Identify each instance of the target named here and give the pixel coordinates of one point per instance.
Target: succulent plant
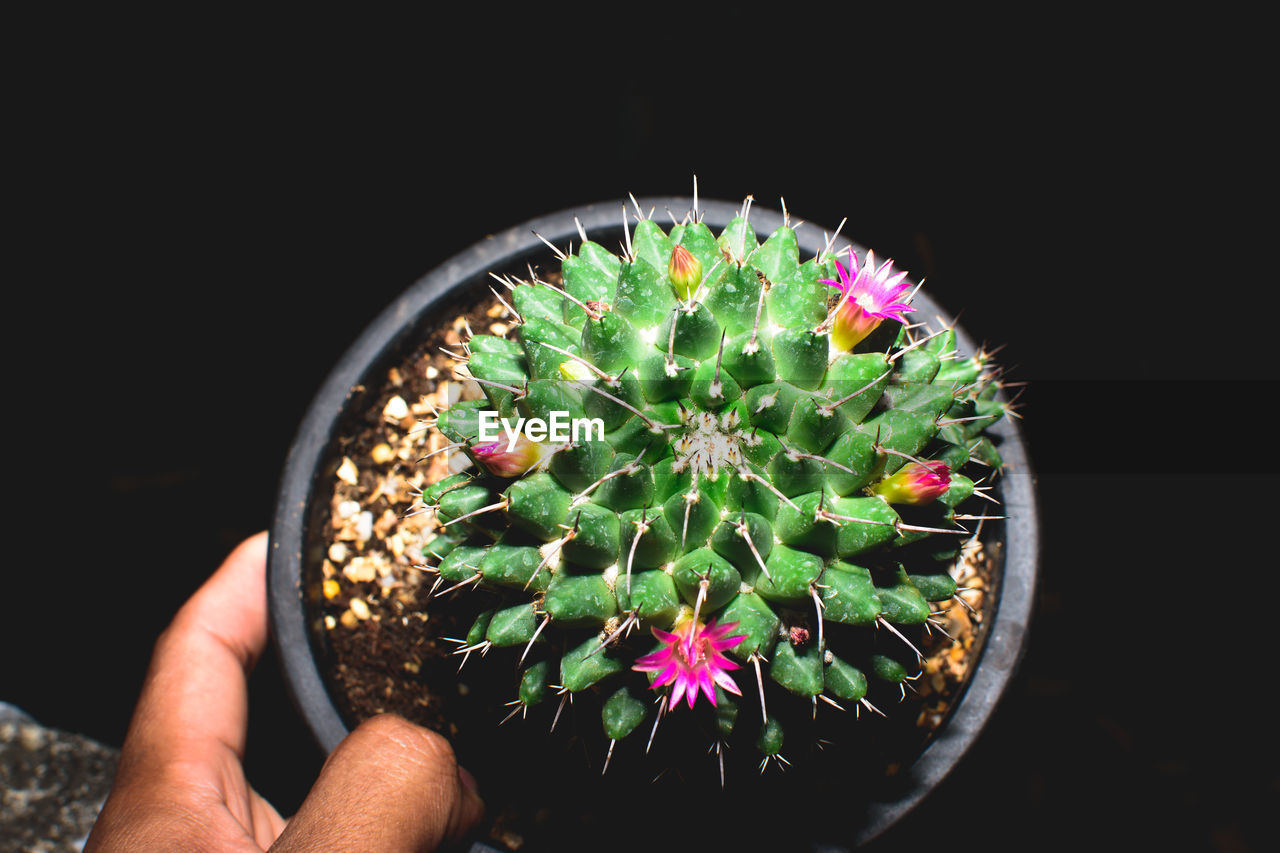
(701, 469)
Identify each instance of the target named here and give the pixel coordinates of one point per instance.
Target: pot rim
(393, 330)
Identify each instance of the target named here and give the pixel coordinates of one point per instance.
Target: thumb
(389, 786)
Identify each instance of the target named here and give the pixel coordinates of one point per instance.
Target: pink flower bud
(915, 484)
(510, 463)
(685, 272)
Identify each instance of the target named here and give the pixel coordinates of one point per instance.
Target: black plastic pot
(302, 509)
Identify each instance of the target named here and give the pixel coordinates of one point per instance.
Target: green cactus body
(741, 464)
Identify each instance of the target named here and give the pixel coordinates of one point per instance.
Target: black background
(215, 218)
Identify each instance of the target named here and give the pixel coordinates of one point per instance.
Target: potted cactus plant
(701, 493)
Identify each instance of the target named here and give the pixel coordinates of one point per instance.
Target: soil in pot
(393, 635)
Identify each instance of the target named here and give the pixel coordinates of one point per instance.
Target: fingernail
(468, 781)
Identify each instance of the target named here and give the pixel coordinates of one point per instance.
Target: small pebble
(396, 409)
(346, 509)
(338, 550)
(360, 570)
(364, 525)
(347, 471)
(331, 588)
(360, 609)
(382, 453)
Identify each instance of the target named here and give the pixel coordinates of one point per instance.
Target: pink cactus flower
(692, 659)
(514, 462)
(869, 296)
(915, 484)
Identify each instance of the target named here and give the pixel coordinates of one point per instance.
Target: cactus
(701, 466)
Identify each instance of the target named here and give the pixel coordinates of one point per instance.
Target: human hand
(389, 786)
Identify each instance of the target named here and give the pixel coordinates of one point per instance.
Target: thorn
(795, 455)
(444, 449)
(629, 468)
(945, 422)
(560, 256)
(626, 233)
(690, 498)
(671, 342)
(502, 504)
(473, 579)
(502, 280)
(703, 585)
(626, 625)
(654, 426)
(913, 345)
(755, 660)
(532, 640)
(551, 553)
(831, 242)
(747, 474)
(882, 449)
(901, 526)
(823, 515)
(518, 392)
(612, 743)
(818, 607)
(593, 314)
(642, 527)
(831, 407)
(753, 345)
(938, 626)
(609, 380)
(745, 532)
(563, 699)
(982, 493)
(882, 621)
(694, 298)
(453, 355)
(513, 312)
(662, 709)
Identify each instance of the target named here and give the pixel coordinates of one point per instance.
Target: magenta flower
(868, 297)
(514, 462)
(915, 484)
(692, 659)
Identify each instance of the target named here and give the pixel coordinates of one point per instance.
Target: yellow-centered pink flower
(691, 659)
(685, 272)
(868, 297)
(915, 483)
(513, 462)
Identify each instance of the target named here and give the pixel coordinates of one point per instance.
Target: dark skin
(389, 786)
